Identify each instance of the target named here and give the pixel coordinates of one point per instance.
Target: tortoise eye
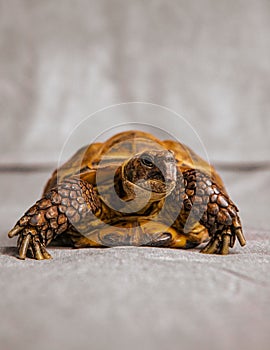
(147, 161)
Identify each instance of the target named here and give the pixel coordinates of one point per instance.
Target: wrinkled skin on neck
(147, 172)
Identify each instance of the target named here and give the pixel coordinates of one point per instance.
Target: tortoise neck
(122, 189)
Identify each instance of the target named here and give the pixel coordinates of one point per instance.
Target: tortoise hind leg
(84, 241)
(173, 239)
(190, 239)
(162, 236)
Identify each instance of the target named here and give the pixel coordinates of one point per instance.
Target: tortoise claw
(15, 231)
(238, 231)
(218, 244)
(224, 239)
(37, 250)
(45, 254)
(212, 246)
(29, 242)
(23, 245)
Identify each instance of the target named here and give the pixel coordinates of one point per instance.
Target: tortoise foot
(68, 204)
(29, 241)
(224, 238)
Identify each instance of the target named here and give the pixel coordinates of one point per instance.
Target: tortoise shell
(133, 189)
(107, 156)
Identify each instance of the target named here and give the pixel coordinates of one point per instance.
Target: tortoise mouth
(157, 186)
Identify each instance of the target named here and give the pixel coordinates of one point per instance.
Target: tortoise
(134, 189)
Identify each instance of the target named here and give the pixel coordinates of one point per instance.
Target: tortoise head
(149, 171)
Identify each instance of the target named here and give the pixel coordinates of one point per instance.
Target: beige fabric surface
(137, 298)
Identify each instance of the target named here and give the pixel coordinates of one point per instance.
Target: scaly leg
(58, 211)
(205, 203)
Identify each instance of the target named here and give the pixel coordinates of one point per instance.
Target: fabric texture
(137, 298)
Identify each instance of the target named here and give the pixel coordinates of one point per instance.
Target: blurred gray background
(63, 60)
(207, 60)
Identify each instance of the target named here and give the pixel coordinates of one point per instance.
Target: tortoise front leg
(216, 212)
(58, 211)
